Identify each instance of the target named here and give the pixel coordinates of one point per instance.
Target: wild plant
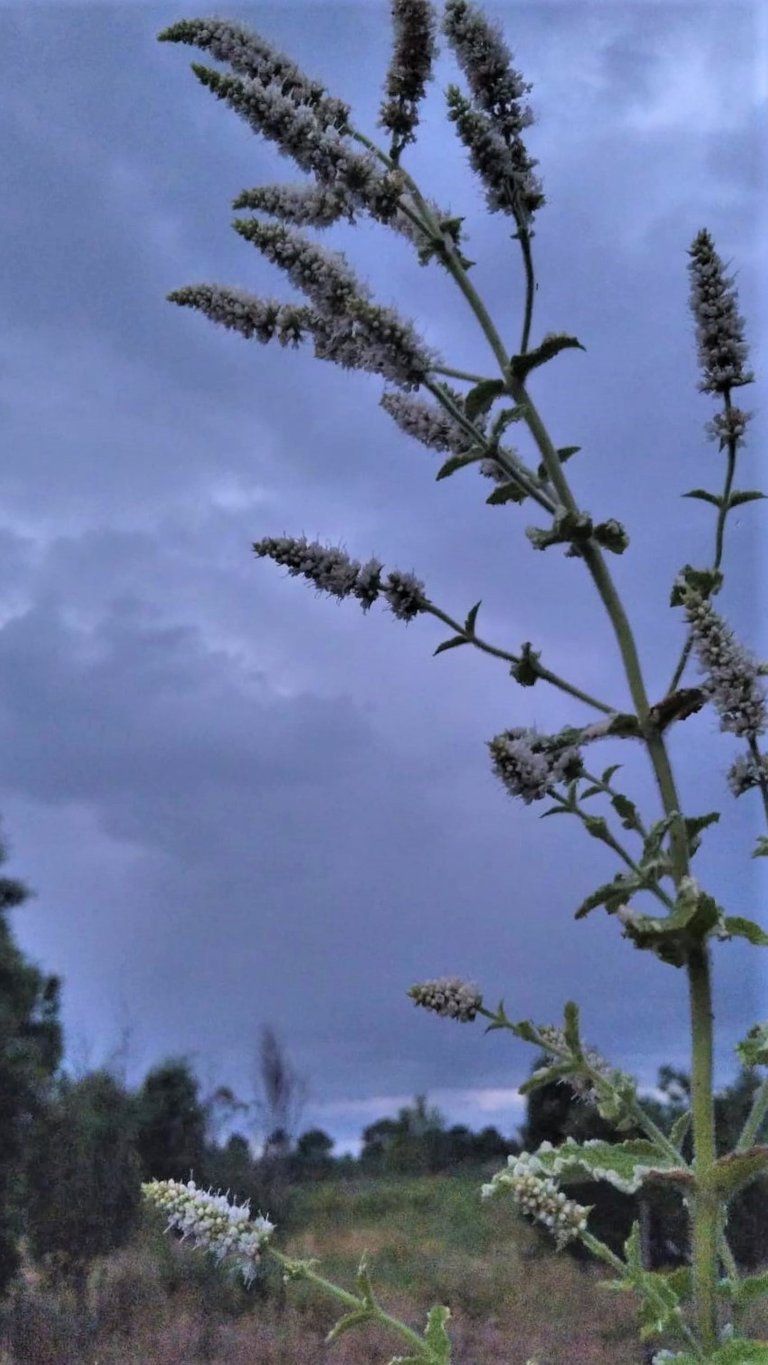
(695, 1310)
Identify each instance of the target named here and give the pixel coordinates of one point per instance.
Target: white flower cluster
(747, 772)
(539, 1197)
(491, 131)
(719, 327)
(583, 1085)
(529, 764)
(733, 684)
(246, 313)
(428, 422)
(333, 571)
(212, 1222)
(449, 996)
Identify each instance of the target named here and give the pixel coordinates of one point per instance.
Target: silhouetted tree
(282, 1096)
(171, 1123)
(312, 1159)
(30, 1052)
(84, 1175)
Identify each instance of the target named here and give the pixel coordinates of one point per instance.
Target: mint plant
(694, 1310)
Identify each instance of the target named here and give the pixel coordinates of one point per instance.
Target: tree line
(74, 1150)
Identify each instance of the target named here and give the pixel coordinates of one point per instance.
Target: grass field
(429, 1240)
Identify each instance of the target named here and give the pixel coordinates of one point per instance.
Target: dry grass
(428, 1240)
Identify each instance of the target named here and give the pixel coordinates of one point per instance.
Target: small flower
(429, 422)
(747, 772)
(333, 571)
(314, 205)
(410, 69)
(733, 683)
(539, 1197)
(247, 313)
(529, 764)
(212, 1222)
(584, 1085)
(324, 275)
(448, 996)
(728, 427)
(719, 327)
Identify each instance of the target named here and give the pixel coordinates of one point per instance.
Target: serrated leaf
(733, 1172)
(739, 927)
(553, 343)
(611, 894)
(597, 827)
(625, 1165)
(506, 492)
(544, 1075)
(504, 418)
(695, 824)
(469, 624)
(435, 1334)
(612, 536)
(703, 495)
(482, 396)
(736, 499)
(761, 847)
(459, 462)
(627, 810)
(744, 1291)
(453, 643)
(659, 1299)
(753, 1050)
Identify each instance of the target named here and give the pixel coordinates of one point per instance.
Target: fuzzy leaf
(506, 492)
(553, 342)
(744, 1291)
(733, 1172)
(694, 917)
(363, 1281)
(753, 1050)
(695, 824)
(453, 643)
(659, 1301)
(469, 624)
(677, 706)
(354, 1319)
(612, 536)
(761, 847)
(739, 927)
(571, 1030)
(608, 774)
(597, 827)
(736, 499)
(482, 396)
(543, 1075)
(503, 420)
(611, 894)
(459, 462)
(625, 1165)
(679, 1129)
(703, 495)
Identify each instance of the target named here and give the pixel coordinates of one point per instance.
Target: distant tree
(83, 1174)
(312, 1158)
(377, 1141)
(171, 1123)
(30, 1052)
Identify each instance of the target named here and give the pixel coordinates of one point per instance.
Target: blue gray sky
(239, 802)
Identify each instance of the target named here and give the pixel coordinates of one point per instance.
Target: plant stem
(755, 1118)
(544, 673)
(706, 1205)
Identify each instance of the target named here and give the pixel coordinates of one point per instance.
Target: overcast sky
(239, 802)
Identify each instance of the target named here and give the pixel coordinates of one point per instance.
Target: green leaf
(624, 725)
(363, 1281)
(469, 624)
(482, 396)
(694, 917)
(612, 536)
(611, 894)
(553, 343)
(745, 1291)
(706, 581)
(567, 526)
(571, 1029)
(703, 495)
(625, 1165)
(503, 420)
(677, 706)
(679, 1129)
(354, 1319)
(736, 499)
(459, 462)
(608, 774)
(525, 671)
(506, 492)
(746, 928)
(544, 1075)
(597, 827)
(627, 810)
(753, 1050)
(564, 453)
(761, 847)
(453, 643)
(435, 1334)
(659, 1295)
(733, 1172)
(695, 824)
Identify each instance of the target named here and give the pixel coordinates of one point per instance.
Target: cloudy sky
(240, 802)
